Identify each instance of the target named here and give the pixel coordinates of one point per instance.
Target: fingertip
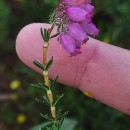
(100, 66)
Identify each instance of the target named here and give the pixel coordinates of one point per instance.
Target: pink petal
(67, 42)
(77, 32)
(76, 13)
(90, 28)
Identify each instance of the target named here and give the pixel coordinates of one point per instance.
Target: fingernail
(89, 94)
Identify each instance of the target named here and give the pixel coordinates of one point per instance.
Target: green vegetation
(18, 110)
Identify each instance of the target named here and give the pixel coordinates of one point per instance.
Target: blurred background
(18, 109)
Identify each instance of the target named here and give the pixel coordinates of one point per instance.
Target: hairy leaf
(54, 81)
(40, 86)
(49, 63)
(36, 63)
(57, 99)
(46, 116)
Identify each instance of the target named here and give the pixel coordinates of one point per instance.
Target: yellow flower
(21, 118)
(15, 84)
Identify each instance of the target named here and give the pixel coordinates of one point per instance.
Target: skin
(102, 69)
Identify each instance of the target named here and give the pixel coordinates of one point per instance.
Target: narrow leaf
(46, 35)
(60, 122)
(58, 29)
(55, 35)
(49, 63)
(62, 115)
(54, 81)
(42, 34)
(40, 86)
(36, 63)
(47, 117)
(57, 99)
(47, 126)
(45, 98)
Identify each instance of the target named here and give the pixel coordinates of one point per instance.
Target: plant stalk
(47, 83)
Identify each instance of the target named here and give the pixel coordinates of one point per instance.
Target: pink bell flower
(88, 7)
(69, 44)
(74, 19)
(77, 32)
(90, 29)
(77, 14)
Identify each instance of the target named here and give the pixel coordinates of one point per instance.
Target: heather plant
(111, 16)
(73, 20)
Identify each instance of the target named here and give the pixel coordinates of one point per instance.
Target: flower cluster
(74, 20)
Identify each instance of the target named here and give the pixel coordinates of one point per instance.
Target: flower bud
(76, 13)
(67, 42)
(88, 7)
(77, 32)
(90, 29)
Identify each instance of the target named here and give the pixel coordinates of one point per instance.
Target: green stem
(47, 83)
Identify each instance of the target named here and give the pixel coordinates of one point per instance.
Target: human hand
(102, 69)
